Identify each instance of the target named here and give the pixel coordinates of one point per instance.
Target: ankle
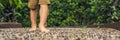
(33, 26)
(42, 26)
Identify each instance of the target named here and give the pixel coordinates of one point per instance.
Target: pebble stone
(60, 34)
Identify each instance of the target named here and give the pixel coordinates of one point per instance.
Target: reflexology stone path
(60, 34)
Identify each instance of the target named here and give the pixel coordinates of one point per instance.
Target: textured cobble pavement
(60, 34)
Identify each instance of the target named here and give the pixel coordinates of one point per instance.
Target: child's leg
(43, 17)
(33, 16)
(43, 14)
(32, 4)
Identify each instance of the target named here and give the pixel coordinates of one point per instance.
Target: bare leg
(43, 17)
(33, 16)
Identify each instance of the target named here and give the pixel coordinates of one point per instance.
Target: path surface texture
(60, 34)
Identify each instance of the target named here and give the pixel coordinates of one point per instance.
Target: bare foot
(43, 29)
(32, 29)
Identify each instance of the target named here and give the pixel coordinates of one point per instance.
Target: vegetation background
(64, 12)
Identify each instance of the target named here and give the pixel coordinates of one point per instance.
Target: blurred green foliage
(7, 9)
(70, 12)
